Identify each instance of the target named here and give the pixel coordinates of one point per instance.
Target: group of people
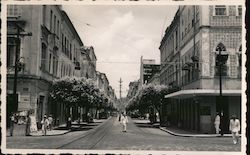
(31, 124)
(234, 126)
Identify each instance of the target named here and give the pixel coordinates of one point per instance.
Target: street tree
(149, 97)
(76, 92)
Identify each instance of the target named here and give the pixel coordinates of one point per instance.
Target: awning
(202, 92)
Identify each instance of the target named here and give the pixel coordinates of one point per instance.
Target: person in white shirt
(217, 123)
(124, 121)
(45, 123)
(234, 127)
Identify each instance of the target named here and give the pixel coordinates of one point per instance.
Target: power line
(126, 62)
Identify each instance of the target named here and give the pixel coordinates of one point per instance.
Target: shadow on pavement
(144, 125)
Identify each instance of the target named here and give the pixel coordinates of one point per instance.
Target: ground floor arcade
(196, 110)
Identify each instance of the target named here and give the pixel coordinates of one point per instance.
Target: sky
(120, 35)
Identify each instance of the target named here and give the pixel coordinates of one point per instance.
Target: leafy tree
(150, 96)
(77, 92)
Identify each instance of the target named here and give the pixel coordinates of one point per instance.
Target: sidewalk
(183, 133)
(179, 132)
(19, 130)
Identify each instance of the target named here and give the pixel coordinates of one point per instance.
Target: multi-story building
(51, 52)
(200, 41)
(88, 63)
(147, 70)
(133, 89)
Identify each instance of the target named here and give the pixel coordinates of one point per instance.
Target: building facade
(51, 52)
(133, 89)
(88, 63)
(147, 69)
(201, 46)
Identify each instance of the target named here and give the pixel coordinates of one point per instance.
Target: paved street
(139, 136)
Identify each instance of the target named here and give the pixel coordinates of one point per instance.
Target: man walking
(45, 123)
(234, 127)
(124, 121)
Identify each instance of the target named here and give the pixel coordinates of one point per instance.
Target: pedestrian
(33, 123)
(119, 117)
(222, 123)
(69, 123)
(234, 127)
(217, 123)
(45, 123)
(50, 118)
(147, 116)
(28, 122)
(124, 121)
(12, 123)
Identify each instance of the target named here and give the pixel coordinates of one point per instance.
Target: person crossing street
(234, 127)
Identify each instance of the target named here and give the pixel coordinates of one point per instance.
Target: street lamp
(221, 60)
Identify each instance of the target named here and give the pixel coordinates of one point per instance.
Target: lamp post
(222, 58)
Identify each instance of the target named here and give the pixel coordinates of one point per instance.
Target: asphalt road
(109, 136)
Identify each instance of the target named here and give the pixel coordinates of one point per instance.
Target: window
(44, 14)
(176, 39)
(50, 58)
(65, 44)
(70, 52)
(54, 24)
(221, 60)
(220, 10)
(10, 56)
(58, 29)
(239, 10)
(13, 11)
(51, 20)
(54, 65)
(43, 58)
(239, 61)
(11, 49)
(62, 42)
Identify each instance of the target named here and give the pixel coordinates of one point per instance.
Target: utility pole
(120, 81)
(17, 40)
(222, 60)
(19, 32)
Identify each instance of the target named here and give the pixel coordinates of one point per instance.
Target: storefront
(196, 109)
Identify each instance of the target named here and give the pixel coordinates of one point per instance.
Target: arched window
(221, 60)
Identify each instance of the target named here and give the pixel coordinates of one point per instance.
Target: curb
(192, 135)
(55, 134)
(51, 135)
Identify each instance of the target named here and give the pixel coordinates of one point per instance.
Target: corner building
(191, 62)
(53, 51)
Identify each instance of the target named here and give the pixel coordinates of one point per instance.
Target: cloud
(122, 34)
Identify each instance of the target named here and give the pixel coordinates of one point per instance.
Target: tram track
(92, 137)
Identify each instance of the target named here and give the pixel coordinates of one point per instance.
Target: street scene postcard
(123, 77)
